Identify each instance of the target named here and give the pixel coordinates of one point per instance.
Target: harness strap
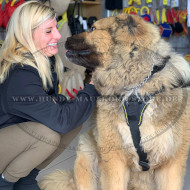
(134, 113)
(134, 108)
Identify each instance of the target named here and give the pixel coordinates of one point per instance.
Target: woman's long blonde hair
(19, 47)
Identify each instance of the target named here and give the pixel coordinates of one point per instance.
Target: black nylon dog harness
(134, 114)
(134, 109)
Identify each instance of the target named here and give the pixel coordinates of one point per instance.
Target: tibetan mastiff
(140, 134)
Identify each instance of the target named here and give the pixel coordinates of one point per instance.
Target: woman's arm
(27, 99)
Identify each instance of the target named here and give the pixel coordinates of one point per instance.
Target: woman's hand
(91, 83)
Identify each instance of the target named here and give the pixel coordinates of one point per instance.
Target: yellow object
(187, 58)
(138, 2)
(125, 10)
(158, 16)
(182, 16)
(62, 21)
(59, 89)
(126, 114)
(148, 1)
(142, 113)
(165, 2)
(114, 12)
(13, 2)
(147, 9)
(164, 19)
(130, 2)
(132, 8)
(1, 2)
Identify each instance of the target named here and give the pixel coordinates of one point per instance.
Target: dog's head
(122, 51)
(108, 38)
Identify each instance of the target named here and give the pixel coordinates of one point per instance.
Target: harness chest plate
(134, 111)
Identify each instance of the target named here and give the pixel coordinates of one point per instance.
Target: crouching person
(36, 123)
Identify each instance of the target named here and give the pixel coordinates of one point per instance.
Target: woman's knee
(38, 143)
(41, 133)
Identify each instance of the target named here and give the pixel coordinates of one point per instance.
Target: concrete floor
(66, 161)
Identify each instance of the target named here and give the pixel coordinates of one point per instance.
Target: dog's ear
(130, 22)
(127, 21)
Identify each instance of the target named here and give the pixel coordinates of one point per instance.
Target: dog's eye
(93, 28)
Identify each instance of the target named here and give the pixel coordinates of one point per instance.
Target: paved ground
(66, 161)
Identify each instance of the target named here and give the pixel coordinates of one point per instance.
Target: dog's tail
(58, 180)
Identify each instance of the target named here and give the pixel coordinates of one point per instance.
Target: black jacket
(22, 99)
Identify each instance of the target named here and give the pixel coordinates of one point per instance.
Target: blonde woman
(33, 117)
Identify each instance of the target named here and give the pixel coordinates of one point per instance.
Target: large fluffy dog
(142, 120)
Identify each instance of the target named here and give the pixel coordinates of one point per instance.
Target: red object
(75, 90)
(174, 15)
(5, 15)
(146, 17)
(69, 93)
(8, 11)
(133, 13)
(12, 8)
(169, 17)
(1, 13)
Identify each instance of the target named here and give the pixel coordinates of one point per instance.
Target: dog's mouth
(85, 58)
(80, 53)
(70, 53)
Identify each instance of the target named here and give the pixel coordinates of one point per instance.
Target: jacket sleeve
(27, 99)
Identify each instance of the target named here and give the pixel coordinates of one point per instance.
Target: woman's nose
(57, 34)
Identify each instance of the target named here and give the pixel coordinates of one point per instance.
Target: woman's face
(46, 36)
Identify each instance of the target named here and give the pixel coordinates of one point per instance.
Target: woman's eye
(49, 31)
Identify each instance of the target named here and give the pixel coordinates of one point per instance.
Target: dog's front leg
(85, 177)
(114, 173)
(170, 176)
(86, 165)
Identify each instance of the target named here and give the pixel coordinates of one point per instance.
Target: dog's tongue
(66, 50)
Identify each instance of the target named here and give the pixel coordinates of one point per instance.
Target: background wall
(180, 44)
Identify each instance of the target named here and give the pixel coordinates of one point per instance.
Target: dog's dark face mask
(81, 53)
